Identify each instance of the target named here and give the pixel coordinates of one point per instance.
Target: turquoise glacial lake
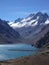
(12, 51)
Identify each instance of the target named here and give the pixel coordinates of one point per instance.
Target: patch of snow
(26, 19)
(24, 23)
(35, 23)
(10, 23)
(37, 17)
(47, 21)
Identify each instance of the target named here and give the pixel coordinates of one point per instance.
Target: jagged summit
(30, 15)
(32, 20)
(39, 13)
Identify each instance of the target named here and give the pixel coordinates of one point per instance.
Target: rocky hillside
(8, 34)
(44, 41)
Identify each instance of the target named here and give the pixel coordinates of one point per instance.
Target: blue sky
(13, 9)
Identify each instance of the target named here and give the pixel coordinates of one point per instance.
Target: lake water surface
(12, 51)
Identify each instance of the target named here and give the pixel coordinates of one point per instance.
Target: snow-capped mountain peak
(31, 26)
(31, 20)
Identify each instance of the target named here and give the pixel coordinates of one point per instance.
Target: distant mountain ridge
(31, 20)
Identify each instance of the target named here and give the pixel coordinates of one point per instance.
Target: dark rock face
(43, 40)
(18, 20)
(7, 34)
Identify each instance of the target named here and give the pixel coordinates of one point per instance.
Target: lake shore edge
(38, 59)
